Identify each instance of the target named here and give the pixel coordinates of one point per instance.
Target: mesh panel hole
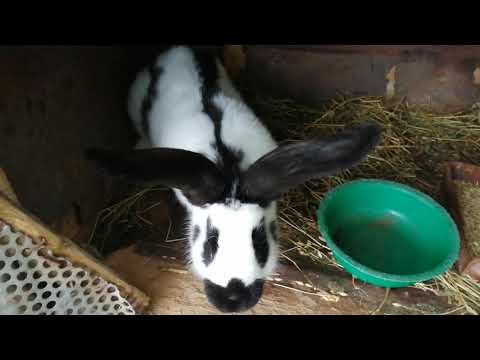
(67, 274)
(37, 306)
(5, 277)
(10, 252)
(114, 298)
(102, 298)
(96, 281)
(51, 304)
(26, 252)
(52, 274)
(90, 300)
(77, 302)
(16, 264)
(116, 306)
(60, 294)
(32, 297)
(37, 275)
(4, 240)
(111, 290)
(2, 264)
(87, 292)
(22, 309)
(46, 295)
(43, 313)
(56, 284)
(11, 289)
(27, 287)
(43, 252)
(74, 293)
(17, 299)
(46, 264)
(93, 309)
(105, 307)
(69, 311)
(84, 283)
(32, 263)
(81, 310)
(81, 274)
(22, 276)
(71, 283)
(63, 264)
(20, 240)
(42, 285)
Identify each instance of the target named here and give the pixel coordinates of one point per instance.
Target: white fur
(177, 121)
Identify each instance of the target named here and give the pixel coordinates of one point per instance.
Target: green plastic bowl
(388, 234)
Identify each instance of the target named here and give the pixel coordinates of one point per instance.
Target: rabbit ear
(196, 176)
(294, 164)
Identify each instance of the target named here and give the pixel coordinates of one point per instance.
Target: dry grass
(123, 216)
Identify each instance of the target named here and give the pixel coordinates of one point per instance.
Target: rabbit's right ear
(291, 165)
(196, 176)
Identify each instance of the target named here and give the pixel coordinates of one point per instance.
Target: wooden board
(174, 290)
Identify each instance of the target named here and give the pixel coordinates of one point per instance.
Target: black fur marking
(196, 233)
(260, 243)
(236, 297)
(228, 160)
(273, 230)
(211, 244)
(155, 73)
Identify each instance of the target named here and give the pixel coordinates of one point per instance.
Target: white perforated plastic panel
(34, 281)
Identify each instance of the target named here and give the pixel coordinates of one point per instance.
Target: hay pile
(415, 147)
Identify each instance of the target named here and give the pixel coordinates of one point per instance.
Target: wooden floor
(175, 291)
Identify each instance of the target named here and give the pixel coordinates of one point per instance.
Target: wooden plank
(174, 290)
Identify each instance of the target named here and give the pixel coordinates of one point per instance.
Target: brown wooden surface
(6, 188)
(440, 78)
(174, 290)
(469, 173)
(54, 102)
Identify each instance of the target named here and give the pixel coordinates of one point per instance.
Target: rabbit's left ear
(291, 165)
(196, 176)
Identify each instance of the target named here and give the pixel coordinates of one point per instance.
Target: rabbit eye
(211, 245)
(273, 230)
(260, 244)
(196, 233)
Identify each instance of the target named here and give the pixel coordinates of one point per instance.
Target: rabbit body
(200, 138)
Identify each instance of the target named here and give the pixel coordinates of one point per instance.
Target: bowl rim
(443, 266)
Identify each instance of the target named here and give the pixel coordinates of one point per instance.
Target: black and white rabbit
(200, 139)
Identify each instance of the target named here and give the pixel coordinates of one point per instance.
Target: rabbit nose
(235, 297)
